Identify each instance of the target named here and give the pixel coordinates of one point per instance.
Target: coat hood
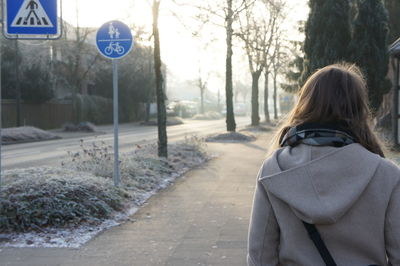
(320, 184)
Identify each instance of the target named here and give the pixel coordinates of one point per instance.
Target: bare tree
(266, 96)
(79, 60)
(150, 93)
(254, 38)
(223, 13)
(230, 116)
(161, 109)
(241, 89)
(280, 64)
(250, 33)
(142, 35)
(276, 16)
(276, 64)
(202, 85)
(257, 30)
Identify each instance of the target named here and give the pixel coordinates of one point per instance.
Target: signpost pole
(1, 121)
(114, 40)
(116, 122)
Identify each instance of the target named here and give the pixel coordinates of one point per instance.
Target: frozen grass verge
(171, 121)
(231, 137)
(67, 206)
(37, 198)
(25, 134)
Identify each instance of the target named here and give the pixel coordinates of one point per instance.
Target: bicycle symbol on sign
(114, 47)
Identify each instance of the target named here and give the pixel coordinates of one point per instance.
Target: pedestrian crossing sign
(31, 19)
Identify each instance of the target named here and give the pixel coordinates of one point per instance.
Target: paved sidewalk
(201, 220)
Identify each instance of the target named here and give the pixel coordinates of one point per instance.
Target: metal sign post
(117, 178)
(1, 123)
(114, 40)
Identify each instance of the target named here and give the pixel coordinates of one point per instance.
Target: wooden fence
(45, 116)
(55, 114)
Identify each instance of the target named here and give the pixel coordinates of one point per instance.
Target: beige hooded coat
(351, 194)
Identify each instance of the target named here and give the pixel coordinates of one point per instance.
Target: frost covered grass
(231, 137)
(49, 205)
(25, 134)
(171, 121)
(36, 198)
(141, 169)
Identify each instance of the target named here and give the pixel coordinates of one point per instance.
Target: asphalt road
(54, 151)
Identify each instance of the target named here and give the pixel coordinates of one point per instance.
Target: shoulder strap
(319, 243)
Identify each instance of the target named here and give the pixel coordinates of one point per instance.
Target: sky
(184, 55)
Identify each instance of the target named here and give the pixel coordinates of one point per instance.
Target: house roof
(394, 49)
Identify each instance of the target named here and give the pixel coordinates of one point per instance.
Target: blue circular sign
(114, 39)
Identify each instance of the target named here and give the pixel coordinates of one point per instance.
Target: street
(54, 151)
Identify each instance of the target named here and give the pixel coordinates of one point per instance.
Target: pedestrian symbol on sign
(31, 14)
(32, 19)
(113, 30)
(32, 5)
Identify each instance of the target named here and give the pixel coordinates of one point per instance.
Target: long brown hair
(335, 93)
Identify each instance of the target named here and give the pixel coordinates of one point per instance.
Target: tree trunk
(219, 101)
(149, 92)
(202, 100)
(275, 98)
(230, 117)
(395, 104)
(161, 111)
(255, 116)
(77, 109)
(17, 84)
(51, 67)
(236, 95)
(266, 96)
(147, 115)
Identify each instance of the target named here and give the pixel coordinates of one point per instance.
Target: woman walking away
(326, 195)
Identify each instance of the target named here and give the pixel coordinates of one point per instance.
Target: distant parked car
(183, 109)
(170, 110)
(240, 109)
